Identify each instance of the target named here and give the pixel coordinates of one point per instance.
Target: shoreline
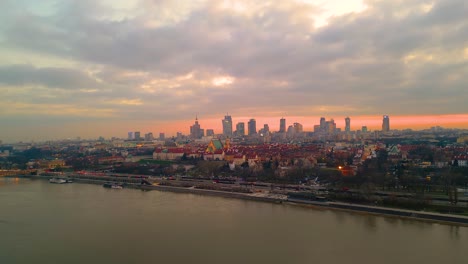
(448, 219)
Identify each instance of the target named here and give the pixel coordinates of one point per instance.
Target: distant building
(252, 127)
(149, 137)
(385, 123)
(282, 125)
(130, 135)
(364, 129)
(317, 128)
(330, 126)
(195, 131)
(227, 126)
(298, 128)
(162, 136)
(347, 124)
(240, 129)
(210, 133)
(137, 135)
(323, 124)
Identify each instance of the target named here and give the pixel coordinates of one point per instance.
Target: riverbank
(354, 208)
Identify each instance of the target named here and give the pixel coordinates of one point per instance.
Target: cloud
(62, 78)
(160, 59)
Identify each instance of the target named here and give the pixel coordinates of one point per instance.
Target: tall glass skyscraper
(252, 127)
(385, 123)
(282, 125)
(227, 125)
(348, 124)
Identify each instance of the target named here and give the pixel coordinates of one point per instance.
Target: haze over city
(102, 68)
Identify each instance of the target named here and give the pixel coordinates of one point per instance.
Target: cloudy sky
(86, 68)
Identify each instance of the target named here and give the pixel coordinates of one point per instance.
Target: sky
(89, 68)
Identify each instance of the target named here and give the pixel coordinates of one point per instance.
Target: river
(83, 223)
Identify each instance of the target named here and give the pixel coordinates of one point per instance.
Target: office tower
(130, 135)
(266, 128)
(323, 124)
(330, 126)
(162, 136)
(149, 136)
(298, 128)
(282, 125)
(137, 135)
(195, 131)
(385, 123)
(348, 124)
(240, 129)
(364, 129)
(252, 127)
(210, 133)
(317, 128)
(179, 135)
(227, 126)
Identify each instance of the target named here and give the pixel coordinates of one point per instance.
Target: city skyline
(373, 123)
(103, 68)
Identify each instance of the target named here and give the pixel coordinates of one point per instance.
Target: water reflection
(9, 181)
(370, 222)
(455, 232)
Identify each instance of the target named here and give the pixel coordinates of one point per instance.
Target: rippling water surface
(82, 223)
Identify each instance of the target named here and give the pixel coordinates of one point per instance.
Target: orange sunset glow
(104, 68)
(372, 122)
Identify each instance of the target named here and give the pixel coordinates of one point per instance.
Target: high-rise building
(348, 124)
(162, 136)
(364, 129)
(282, 125)
(252, 127)
(330, 126)
(195, 131)
(298, 128)
(323, 124)
(137, 135)
(385, 123)
(227, 126)
(149, 136)
(240, 129)
(130, 135)
(210, 133)
(291, 131)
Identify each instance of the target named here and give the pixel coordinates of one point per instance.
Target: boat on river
(112, 185)
(60, 180)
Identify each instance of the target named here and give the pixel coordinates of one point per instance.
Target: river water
(83, 223)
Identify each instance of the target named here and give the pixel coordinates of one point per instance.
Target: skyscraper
(330, 126)
(240, 129)
(252, 127)
(227, 125)
(137, 135)
(130, 135)
(348, 124)
(282, 125)
(323, 124)
(385, 123)
(298, 128)
(195, 130)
